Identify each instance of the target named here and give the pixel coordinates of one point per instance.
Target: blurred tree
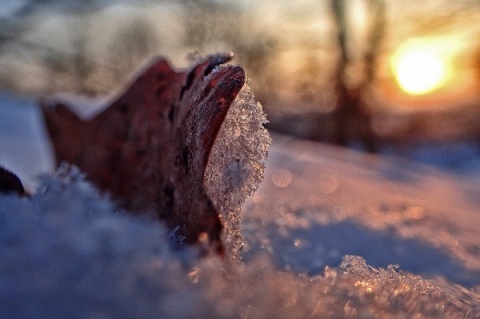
(71, 71)
(83, 66)
(476, 63)
(72, 67)
(8, 78)
(436, 17)
(67, 69)
(352, 117)
(131, 45)
(213, 24)
(19, 22)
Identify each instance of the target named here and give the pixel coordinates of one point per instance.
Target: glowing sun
(420, 68)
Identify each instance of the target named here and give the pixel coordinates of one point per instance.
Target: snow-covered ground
(66, 252)
(24, 146)
(388, 211)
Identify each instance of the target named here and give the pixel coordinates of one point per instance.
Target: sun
(420, 72)
(419, 67)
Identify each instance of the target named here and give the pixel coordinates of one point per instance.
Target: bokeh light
(420, 68)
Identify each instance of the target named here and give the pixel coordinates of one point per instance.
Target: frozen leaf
(150, 147)
(10, 183)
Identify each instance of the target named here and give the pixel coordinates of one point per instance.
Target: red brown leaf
(151, 146)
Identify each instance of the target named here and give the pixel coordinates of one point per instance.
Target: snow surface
(24, 148)
(68, 252)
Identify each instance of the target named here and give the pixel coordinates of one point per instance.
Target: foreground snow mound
(318, 203)
(66, 252)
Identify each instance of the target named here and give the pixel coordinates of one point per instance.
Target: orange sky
(458, 86)
(305, 31)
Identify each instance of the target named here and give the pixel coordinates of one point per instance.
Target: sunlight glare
(420, 68)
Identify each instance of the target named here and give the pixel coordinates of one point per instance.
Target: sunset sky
(427, 57)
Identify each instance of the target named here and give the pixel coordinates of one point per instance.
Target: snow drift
(68, 252)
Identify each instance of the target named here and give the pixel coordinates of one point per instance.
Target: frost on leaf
(150, 148)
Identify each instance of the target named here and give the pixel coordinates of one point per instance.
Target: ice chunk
(236, 163)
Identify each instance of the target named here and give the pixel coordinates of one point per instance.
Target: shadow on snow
(310, 250)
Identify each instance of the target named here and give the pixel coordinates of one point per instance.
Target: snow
(23, 142)
(85, 107)
(68, 252)
(342, 202)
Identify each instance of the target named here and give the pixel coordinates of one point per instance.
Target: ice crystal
(236, 163)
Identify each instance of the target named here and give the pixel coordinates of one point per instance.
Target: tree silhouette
(351, 115)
